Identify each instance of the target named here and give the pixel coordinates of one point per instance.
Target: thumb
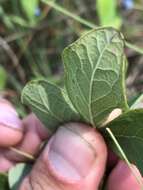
(74, 159)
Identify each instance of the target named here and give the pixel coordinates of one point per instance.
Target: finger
(34, 134)
(11, 131)
(5, 164)
(112, 160)
(122, 178)
(74, 159)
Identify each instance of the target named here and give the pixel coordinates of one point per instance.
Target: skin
(74, 158)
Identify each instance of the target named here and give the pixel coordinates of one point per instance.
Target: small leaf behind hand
(128, 130)
(17, 174)
(95, 69)
(50, 103)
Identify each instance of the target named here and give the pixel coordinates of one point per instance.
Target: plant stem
(134, 47)
(69, 14)
(139, 180)
(30, 157)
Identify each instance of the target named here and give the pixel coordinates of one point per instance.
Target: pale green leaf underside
(17, 174)
(49, 103)
(128, 130)
(138, 103)
(94, 74)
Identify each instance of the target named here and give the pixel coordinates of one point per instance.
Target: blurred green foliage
(3, 78)
(29, 8)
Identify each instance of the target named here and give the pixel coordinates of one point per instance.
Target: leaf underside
(17, 174)
(94, 74)
(95, 67)
(49, 103)
(128, 130)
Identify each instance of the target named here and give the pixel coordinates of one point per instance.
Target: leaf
(128, 130)
(17, 174)
(94, 74)
(3, 182)
(49, 103)
(124, 157)
(29, 7)
(138, 103)
(18, 20)
(110, 17)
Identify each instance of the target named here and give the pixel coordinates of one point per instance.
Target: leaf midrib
(91, 84)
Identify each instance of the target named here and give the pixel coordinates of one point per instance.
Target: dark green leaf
(49, 103)
(95, 69)
(3, 182)
(17, 174)
(128, 130)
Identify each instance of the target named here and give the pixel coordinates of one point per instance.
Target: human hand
(73, 159)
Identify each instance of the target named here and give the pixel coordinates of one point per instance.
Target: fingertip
(32, 123)
(9, 137)
(10, 125)
(5, 164)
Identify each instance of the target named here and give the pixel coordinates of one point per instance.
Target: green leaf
(19, 21)
(128, 130)
(3, 182)
(124, 157)
(17, 174)
(49, 103)
(3, 77)
(108, 18)
(94, 74)
(29, 7)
